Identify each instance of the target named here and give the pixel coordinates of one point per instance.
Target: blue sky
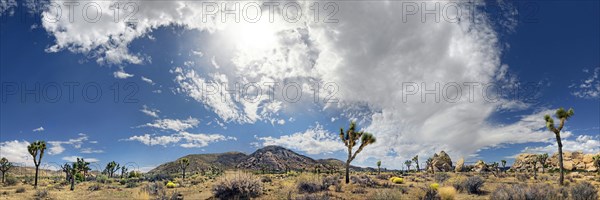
(161, 66)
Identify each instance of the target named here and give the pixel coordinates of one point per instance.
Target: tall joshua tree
(503, 163)
(379, 167)
(183, 164)
(36, 149)
(562, 115)
(542, 158)
(123, 171)
(350, 138)
(408, 163)
(4, 167)
(416, 160)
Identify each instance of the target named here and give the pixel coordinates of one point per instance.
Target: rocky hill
(200, 162)
(269, 158)
(571, 160)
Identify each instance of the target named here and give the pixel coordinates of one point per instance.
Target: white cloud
(174, 124)
(147, 80)
(590, 87)
(74, 159)
(38, 129)
(120, 74)
(315, 140)
(188, 140)
(16, 151)
(7, 6)
(149, 111)
(56, 147)
(584, 143)
(90, 150)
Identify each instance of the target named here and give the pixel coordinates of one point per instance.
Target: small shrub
(473, 184)
(237, 186)
(131, 184)
(94, 187)
(359, 190)
(10, 180)
(434, 186)
(441, 177)
(383, 176)
(313, 197)
(584, 191)
(426, 193)
(397, 180)
(40, 194)
(170, 184)
(447, 193)
(538, 191)
(154, 188)
(265, 179)
(20, 190)
(387, 194)
(102, 179)
(522, 177)
(457, 183)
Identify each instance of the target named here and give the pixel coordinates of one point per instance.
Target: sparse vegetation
(584, 191)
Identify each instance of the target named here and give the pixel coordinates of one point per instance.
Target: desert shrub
(473, 184)
(94, 187)
(359, 190)
(131, 184)
(397, 180)
(313, 197)
(338, 188)
(426, 193)
(157, 177)
(447, 193)
(522, 177)
(434, 186)
(135, 174)
(20, 190)
(102, 179)
(383, 176)
(237, 186)
(457, 183)
(4, 193)
(363, 180)
(584, 191)
(441, 177)
(123, 181)
(170, 184)
(10, 180)
(40, 194)
(154, 188)
(387, 194)
(265, 179)
(331, 180)
(538, 191)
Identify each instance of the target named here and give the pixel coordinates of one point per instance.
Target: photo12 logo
(52, 92)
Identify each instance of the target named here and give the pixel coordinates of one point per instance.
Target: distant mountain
(276, 158)
(226, 160)
(270, 158)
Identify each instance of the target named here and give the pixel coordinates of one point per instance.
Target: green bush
(10, 180)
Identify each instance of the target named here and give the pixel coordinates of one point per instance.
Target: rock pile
(441, 162)
(571, 161)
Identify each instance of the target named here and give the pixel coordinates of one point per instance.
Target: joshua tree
(36, 149)
(503, 163)
(597, 163)
(123, 171)
(416, 160)
(562, 115)
(379, 167)
(71, 171)
(408, 163)
(429, 164)
(350, 137)
(111, 168)
(183, 164)
(542, 159)
(4, 167)
(83, 166)
(534, 165)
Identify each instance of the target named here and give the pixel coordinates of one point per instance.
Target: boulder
(441, 162)
(571, 161)
(480, 166)
(524, 162)
(460, 165)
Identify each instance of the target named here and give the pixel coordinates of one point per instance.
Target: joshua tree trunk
(3, 176)
(183, 174)
(36, 177)
(560, 160)
(348, 172)
(72, 182)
